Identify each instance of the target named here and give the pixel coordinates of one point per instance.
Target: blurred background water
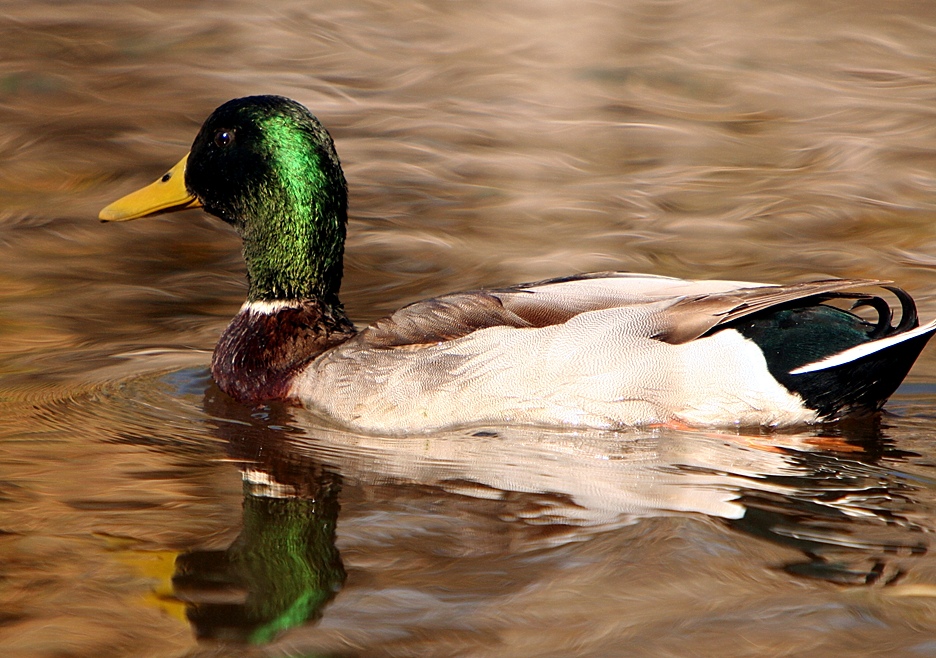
(144, 514)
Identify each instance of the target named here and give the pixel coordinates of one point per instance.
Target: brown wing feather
(443, 318)
(692, 317)
(687, 318)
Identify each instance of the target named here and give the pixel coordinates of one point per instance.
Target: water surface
(142, 513)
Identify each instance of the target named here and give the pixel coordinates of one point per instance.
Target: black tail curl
(883, 327)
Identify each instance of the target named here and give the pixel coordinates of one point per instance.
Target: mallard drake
(602, 350)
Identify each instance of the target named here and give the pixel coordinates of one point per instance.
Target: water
(144, 514)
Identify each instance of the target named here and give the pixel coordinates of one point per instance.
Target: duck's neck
(269, 342)
(294, 241)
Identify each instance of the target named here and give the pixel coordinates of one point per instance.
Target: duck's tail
(838, 363)
(860, 379)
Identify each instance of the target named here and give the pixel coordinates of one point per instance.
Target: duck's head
(265, 165)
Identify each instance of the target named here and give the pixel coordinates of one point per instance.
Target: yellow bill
(167, 194)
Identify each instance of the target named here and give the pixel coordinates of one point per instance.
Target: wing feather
(691, 317)
(436, 320)
(687, 309)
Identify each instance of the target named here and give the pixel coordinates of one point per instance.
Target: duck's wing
(693, 316)
(433, 321)
(684, 309)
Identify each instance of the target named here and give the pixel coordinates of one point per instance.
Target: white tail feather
(863, 350)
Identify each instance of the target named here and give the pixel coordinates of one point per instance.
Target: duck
(601, 350)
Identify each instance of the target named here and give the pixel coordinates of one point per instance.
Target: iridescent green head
(265, 165)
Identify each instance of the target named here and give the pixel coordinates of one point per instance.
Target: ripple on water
(93, 477)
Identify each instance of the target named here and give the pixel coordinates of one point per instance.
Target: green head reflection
(279, 573)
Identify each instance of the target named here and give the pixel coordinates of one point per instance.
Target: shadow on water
(829, 495)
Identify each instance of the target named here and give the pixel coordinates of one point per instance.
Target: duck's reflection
(828, 497)
(283, 567)
(852, 520)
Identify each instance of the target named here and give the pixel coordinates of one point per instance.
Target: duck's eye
(224, 138)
